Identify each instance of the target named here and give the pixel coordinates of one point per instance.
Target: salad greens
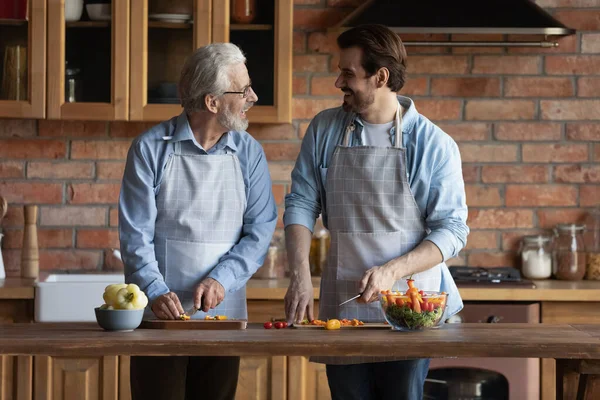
(405, 317)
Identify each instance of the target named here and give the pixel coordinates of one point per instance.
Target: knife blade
(350, 299)
(194, 310)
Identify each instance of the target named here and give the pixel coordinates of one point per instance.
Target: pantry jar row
(562, 256)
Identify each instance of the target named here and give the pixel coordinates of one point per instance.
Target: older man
(196, 215)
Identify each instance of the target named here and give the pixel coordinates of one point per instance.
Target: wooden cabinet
(16, 374)
(306, 380)
(23, 63)
(262, 378)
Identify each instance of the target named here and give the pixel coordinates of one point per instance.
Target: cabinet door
(23, 59)
(262, 378)
(16, 377)
(88, 61)
(94, 378)
(164, 33)
(267, 44)
(307, 381)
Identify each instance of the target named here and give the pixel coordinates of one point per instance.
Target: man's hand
(208, 294)
(374, 281)
(299, 299)
(167, 306)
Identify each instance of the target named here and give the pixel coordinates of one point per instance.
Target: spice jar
(243, 11)
(536, 257)
(569, 252)
(319, 248)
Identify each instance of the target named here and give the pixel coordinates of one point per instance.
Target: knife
(194, 310)
(350, 299)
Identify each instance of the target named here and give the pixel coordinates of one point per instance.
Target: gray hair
(205, 72)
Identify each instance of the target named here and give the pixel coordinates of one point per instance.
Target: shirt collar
(183, 131)
(408, 119)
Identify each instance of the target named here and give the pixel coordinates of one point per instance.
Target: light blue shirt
(433, 166)
(142, 179)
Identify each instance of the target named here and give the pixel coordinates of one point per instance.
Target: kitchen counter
(545, 290)
(16, 288)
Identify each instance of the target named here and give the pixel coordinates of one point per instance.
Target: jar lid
(570, 227)
(536, 239)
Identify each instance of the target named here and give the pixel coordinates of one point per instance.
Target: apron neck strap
(398, 140)
(177, 148)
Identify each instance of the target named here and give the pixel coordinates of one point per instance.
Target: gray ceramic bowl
(119, 320)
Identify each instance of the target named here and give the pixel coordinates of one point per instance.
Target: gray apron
(373, 218)
(200, 212)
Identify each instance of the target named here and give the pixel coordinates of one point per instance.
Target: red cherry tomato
(285, 324)
(278, 325)
(268, 325)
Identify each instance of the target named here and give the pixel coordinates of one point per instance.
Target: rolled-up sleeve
(244, 259)
(303, 203)
(137, 216)
(446, 204)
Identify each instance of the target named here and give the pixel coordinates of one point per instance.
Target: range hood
(473, 17)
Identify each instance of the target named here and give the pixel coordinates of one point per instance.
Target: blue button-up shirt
(142, 179)
(433, 166)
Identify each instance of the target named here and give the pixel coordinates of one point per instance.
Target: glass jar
(569, 252)
(319, 248)
(536, 257)
(592, 245)
(243, 11)
(73, 85)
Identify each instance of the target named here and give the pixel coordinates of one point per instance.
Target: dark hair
(381, 47)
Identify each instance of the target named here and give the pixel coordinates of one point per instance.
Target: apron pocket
(360, 251)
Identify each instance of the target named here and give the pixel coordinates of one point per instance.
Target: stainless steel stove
(495, 276)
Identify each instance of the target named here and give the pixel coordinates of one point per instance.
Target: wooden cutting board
(367, 325)
(228, 324)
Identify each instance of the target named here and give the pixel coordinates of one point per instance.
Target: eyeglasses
(245, 93)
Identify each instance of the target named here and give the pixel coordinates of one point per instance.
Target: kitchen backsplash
(527, 121)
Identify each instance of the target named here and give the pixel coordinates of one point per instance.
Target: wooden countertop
(452, 340)
(545, 290)
(16, 288)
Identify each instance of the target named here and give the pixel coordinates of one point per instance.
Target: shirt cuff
(224, 276)
(155, 289)
(444, 242)
(291, 218)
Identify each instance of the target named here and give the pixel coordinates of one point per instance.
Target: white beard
(232, 121)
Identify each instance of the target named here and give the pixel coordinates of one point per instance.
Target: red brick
(114, 217)
(93, 193)
(17, 128)
(467, 131)
(566, 44)
(504, 64)
(13, 239)
(482, 110)
(577, 174)
(548, 218)
(13, 217)
(590, 43)
(480, 196)
(589, 196)
(310, 63)
(99, 150)
(538, 87)
(581, 20)
(110, 170)
(322, 42)
(299, 85)
(596, 152)
(324, 86)
(568, 3)
(97, 238)
(279, 194)
(11, 169)
(500, 218)
(31, 193)
(281, 151)
(272, 131)
(299, 42)
(56, 128)
(470, 173)
(281, 171)
(414, 87)
(334, 63)
(15, 148)
(12, 263)
(303, 108)
(482, 240)
(438, 110)
(279, 225)
(572, 65)
(51, 260)
(540, 195)
(316, 19)
(437, 65)
(492, 259)
(72, 216)
(511, 241)
(55, 238)
(60, 170)
(488, 152)
(527, 131)
(411, 51)
(477, 50)
(588, 87)
(124, 129)
(570, 109)
(465, 87)
(302, 127)
(555, 152)
(583, 131)
(514, 174)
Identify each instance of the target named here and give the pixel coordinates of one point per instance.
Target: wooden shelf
(250, 27)
(12, 22)
(169, 25)
(88, 24)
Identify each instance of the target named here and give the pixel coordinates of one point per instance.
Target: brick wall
(527, 122)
